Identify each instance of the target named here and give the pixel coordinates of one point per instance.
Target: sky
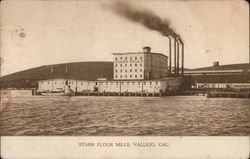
(36, 33)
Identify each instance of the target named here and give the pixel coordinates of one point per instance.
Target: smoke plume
(143, 17)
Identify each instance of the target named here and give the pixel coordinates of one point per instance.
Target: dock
(196, 93)
(213, 94)
(140, 94)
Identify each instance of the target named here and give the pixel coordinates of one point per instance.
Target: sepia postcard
(116, 79)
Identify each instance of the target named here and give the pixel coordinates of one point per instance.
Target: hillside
(77, 70)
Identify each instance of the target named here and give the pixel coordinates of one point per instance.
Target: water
(124, 116)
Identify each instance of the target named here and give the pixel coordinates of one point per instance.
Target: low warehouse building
(163, 85)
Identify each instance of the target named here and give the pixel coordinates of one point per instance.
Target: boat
(52, 93)
(67, 92)
(58, 94)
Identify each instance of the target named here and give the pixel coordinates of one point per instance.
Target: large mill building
(140, 65)
(134, 72)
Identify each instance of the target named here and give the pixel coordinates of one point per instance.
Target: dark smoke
(144, 17)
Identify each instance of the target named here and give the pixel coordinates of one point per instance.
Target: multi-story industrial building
(140, 65)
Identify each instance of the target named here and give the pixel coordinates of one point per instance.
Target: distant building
(216, 69)
(140, 65)
(224, 76)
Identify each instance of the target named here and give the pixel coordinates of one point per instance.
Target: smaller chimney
(146, 49)
(216, 63)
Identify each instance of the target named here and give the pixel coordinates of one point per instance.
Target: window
(141, 76)
(135, 76)
(121, 76)
(127, 83)
(130, 70)
(150, 83)
(125, 58)
(125, 70)
(156, 83)
(140, 70)
(135, 70)
(121, 65)
(130, 58)
(140, 64)
(126, 65)
(121, 70)
(144, 83)
(130, 76)
(135, 58)
(116, 71)
(133, 83)
(116, 83)
(122, 83)
(115, 76)
(125, 76)
(116, 58)
(130, 64)
(140, 57)
(121, 58)
(139, 83)
(135, 64)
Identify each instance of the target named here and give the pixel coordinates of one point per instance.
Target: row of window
(156, 83)
(154, 65)
(69, 82)
(126, 58)
(129, 65)
(127, 70)
(133, 83)
(131, 76)
(52, 82)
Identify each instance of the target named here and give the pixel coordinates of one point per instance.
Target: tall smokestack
(178, 59)
(182, 57)
(180, 43)
(175, 42)
(170, 56)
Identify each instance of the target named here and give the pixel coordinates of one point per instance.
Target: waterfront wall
(15, 93)
(136, 86)
(223, 85)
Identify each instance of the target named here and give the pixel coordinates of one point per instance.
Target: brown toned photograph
(118, 68)
(125, 68)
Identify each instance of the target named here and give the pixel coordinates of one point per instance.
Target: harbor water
(23, 114)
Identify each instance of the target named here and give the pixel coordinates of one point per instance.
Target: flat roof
(239, 66)
(117, 80)
(125, 53)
